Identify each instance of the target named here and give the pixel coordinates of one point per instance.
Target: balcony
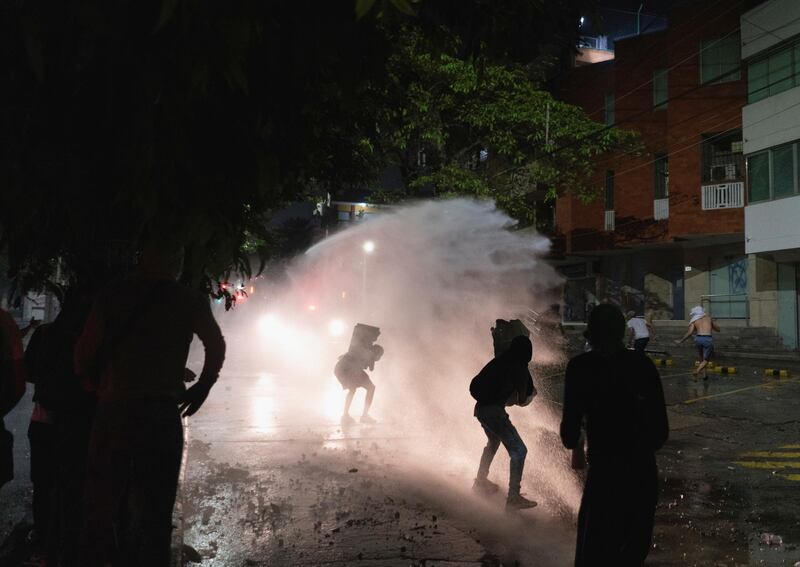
(610, 218)
(723, 196)
(661, 209)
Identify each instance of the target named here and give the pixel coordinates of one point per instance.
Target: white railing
(661, 209)
(723, 196)
(609, 225)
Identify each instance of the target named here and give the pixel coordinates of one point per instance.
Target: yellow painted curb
(780, 372)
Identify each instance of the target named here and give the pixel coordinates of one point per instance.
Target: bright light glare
(337, 327)
(262, 416)
(312, 307)
(333, 401)
(270, 325)
(368, 246)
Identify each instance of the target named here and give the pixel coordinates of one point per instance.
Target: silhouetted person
(62, 416)
(140, 329)
(504, 381)
(41, 363)
(12, 388)
(350, 371)
(618, 392)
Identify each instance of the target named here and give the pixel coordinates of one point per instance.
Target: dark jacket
(504, 381)
(621, 397)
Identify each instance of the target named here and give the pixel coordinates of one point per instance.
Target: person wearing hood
(618, 394)
(701, 325)
(504, 381)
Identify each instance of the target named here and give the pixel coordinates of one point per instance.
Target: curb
(779, 372)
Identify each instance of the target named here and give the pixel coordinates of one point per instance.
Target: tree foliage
(206, 116)
(490, 129)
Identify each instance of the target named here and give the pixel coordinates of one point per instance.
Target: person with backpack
(504, 381)
(617, 393)
(350, 371)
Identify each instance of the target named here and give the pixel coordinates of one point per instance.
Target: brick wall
(691, 112)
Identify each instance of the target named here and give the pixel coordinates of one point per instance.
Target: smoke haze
(439, 275)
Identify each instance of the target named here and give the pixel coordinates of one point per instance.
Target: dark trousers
(42, 440)
(72, 444)
(615, 521)
(131, 482)
(499, 429)
(640, 344)
(6, 454)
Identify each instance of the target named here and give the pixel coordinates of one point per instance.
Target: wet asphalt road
(259, 493)
(261, 489)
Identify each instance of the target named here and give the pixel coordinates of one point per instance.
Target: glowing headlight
(337, 327)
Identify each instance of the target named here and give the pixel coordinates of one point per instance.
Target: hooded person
(504, 381)
(617, 394)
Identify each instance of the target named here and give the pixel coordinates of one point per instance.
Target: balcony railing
(723, 196)
(661, 209)
(610, 218)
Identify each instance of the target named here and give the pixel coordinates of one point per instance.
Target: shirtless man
(701, 325)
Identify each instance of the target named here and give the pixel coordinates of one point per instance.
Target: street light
(368, 247)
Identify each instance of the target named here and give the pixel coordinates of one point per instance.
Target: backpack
(484, 386)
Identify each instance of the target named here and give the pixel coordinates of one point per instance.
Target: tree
(489, 129)
(206, 116)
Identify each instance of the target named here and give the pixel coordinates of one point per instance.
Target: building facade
(770, 52)
(667, 229)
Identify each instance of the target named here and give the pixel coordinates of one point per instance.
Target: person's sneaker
(347, 419)
(367, 419)
(519, 502)
(485, 486)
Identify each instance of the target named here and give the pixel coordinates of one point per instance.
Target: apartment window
(609, 109)
(610, 190)
(758, 177)
(720, 60)
(777, 72)
(773, 173)
(757, 80)
(660, 95)
(783, 172)
(661, 184)
(722, 157)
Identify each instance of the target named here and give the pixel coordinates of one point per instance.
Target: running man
(640, 331)
(701, 325)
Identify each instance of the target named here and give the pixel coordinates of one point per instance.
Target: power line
(708, 117)
(694, 54)
(680, 150)
(605, 128)
(642, 32)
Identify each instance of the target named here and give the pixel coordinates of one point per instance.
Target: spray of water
(434, 277)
